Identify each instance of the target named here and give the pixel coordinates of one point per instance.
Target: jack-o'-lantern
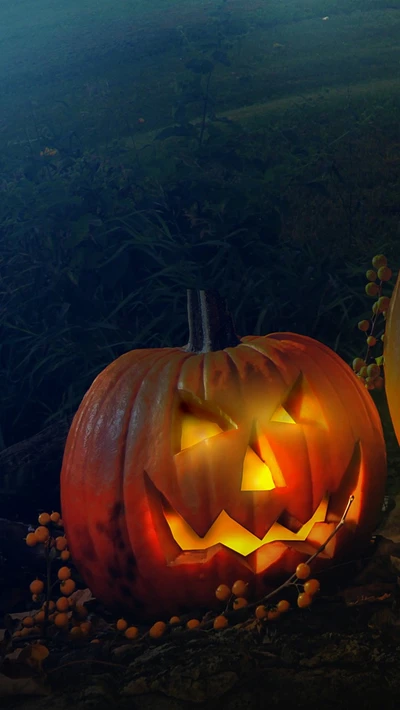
(391, 354)
(227, 458)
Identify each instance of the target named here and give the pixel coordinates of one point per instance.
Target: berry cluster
(62, 612)
(369, 368)
(235, 598)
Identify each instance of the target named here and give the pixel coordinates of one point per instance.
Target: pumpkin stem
(211, 325)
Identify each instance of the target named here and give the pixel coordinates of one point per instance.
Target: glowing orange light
(228, 532)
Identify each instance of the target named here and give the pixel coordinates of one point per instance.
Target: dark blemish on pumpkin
(135, 604)
(101, 528)
(131, 560)
(113, 533)
(114, 572)
(88, 549)
(88, 576)
(117, 511)
(121, 545)
(249, 369)
(217, 374)
(130, 569)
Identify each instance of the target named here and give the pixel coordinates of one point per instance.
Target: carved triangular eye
(281, 415)
(199, 420)
(300, 406)
(195, 430)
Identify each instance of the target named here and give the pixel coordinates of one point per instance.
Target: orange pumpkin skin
(283, 404)
(391, 353)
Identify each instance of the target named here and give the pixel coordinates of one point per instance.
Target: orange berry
(80, 611)
(193, 624)
(174, 620)
(358, 363)
(55, 517)
(157, 629)
(240, 588)
(220, 622)
(373, 370)
(303, 571)
(61, 620)
(121, 625)
(273, 615)
(371, 341)
(363, 325)
(42, 533)
(378, 383)
(131, 632)
(239, 602)
(36, 587)
(311, 587)
(379, 260)
(304, 600)
(25, 631)
(62, 604)
(27, 621)
(383, 303)
(261, 612)
(31, 539)
(64, 573)
(65, 555)
(283, 606)
(86, 627)
(50, 604)
(223, 592)
(372, 289)
(44, 519)
(371, 275)
(384, 273)
(67, 587)
(60, 543)
(39, 617)
(75, 632)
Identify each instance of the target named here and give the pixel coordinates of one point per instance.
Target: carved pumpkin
(391, 354)
(228, 458)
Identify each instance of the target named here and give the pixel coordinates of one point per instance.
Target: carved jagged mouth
(228, 532)
(182, 545)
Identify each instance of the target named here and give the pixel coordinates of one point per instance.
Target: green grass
(302, 93)
(112, 63)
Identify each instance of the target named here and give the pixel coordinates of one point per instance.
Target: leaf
(34, 655)
(182, 130)
(79, 230)
(20, 686)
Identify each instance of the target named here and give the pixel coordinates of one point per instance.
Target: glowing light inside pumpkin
(228, 532)
(195, 430)
(257, 475)
(281, 415)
